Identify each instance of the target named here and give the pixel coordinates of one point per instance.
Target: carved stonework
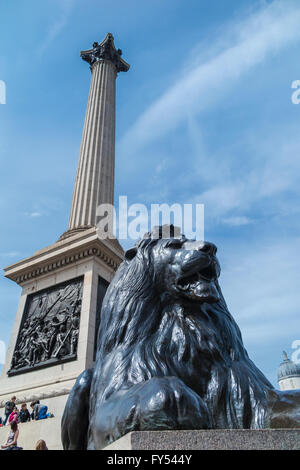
(50, 327)
(105, 51)
(65, 261)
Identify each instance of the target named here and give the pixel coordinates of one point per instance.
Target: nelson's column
(53, 338)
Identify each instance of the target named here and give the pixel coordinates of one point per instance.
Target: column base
(74, 231)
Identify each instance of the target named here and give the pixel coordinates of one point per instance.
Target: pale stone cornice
(65, 252)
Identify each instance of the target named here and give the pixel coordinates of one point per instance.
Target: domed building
(288, 374)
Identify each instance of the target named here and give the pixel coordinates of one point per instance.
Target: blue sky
(203, 116)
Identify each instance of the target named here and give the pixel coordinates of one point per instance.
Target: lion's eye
(174, 243)
(130, 254)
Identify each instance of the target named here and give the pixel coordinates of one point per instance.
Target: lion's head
(184, 269)
(164, 315)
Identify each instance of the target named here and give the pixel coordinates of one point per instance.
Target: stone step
(29, 433)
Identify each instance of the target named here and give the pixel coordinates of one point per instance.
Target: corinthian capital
(106, 50)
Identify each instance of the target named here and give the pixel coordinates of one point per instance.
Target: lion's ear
(130, 254)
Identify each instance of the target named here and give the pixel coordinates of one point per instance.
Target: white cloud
(64, 8)
(272, 175)
(10, 254)
(261, 286)
(222, 199)
(236, 221)
(161, 166)
(262, 34)
(33, 214)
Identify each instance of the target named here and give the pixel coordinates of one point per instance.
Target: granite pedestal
(219, 439)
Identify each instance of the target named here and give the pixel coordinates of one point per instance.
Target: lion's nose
(205, 247)
(208, 248)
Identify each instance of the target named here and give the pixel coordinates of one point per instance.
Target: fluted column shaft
(94, 182)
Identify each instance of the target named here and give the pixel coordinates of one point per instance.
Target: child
(24, 414)
(39, 411)
(14, 415)
(41, 445)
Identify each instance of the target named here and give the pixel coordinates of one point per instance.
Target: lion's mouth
(200, 284)
(209, 274)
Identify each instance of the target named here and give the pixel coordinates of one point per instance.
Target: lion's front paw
(157, 404)
(167, 403)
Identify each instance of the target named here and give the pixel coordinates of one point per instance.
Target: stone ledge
(30, 433)
(219, 439)
(39, 391)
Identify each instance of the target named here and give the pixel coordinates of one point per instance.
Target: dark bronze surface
(170, 355)
(105, 51)
(49, 328)
(102, 288)
(283, 409)
(75, 419)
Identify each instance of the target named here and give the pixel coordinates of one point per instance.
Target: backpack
(9, 406)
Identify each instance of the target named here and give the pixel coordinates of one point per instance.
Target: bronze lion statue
(169, 354)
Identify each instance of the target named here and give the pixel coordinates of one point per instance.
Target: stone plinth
(82, 255)
(219, 439)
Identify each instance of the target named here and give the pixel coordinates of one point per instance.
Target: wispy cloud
(260, 283)
(267, 32)
(33, 214)
(237, 221)
(10, 254)
(64, 11)
(273, 172)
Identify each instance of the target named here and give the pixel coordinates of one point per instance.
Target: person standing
(9, 406)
